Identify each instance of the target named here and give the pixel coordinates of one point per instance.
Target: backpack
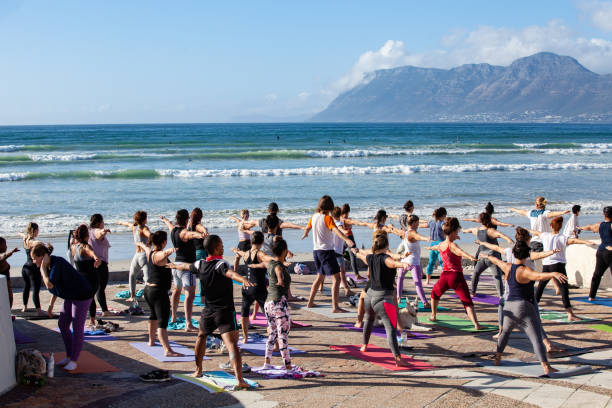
(31, 363)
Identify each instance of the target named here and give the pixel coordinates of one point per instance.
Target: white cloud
(599, 12)
(271, 97)
(496, 46)
(303, 95)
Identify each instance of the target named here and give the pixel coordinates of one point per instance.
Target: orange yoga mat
(87, 364)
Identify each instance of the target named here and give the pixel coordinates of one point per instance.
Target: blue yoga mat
(597, 301)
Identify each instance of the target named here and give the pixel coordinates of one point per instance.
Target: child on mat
(5, 268)
(276, 307)
(62, 280)
(216, 276)
(452, 273)
(324, 228)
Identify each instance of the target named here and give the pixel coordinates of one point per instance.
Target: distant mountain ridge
(543, 87)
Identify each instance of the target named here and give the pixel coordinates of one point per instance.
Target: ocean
(58, 176)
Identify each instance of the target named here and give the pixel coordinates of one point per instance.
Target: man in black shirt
(216, 276)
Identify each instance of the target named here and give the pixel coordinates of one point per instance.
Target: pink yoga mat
(382, 358)
(262, 321)
(391, 312)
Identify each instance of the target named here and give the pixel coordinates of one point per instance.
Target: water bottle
(50, 366)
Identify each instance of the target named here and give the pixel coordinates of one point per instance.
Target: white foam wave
(328, 154)
(397, 169)
(62, 157)
(13, 176)
(10, 148)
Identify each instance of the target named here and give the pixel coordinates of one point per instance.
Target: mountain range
(543, 87)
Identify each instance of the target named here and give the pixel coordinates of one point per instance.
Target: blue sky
(196, 61)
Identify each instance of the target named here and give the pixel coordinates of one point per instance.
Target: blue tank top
(519, 291)
(605, 233)
(435, 230)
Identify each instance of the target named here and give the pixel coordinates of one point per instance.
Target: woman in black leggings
(30, 272)
(86, 262)
(603, 259)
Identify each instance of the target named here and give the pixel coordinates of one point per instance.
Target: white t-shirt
(510, 259)
(322, 235)
(539, 222)
(338, 242)
(554, 241)
(571, 226)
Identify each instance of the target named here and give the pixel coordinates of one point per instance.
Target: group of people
(267, 282)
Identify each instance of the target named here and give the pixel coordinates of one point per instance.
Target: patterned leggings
(279, 324)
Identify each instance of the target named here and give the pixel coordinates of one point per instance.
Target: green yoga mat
(457, 323)
(602, 327)
(561, 317)
(402, 303)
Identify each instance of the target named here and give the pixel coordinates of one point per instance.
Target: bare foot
(364, 348)
(573, 318)
(197, 373)
(191, 329)
(311, 305)
(549, 370)
(496, 336)
(151, 343)
(253, 317)
(172, 353)
(131, 299)
(497, 359)
(553, 349)
(242, 385)
(339, 310)
(477, 327)
(432, 318)
(24, 309)
(50, 312)
(358, 324)
(401, 363)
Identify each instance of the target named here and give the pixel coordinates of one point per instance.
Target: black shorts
(251, 296)
(244, 246)
(325, 262)
(224, 320)
(159, 303)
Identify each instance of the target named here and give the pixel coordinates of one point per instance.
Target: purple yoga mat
(486, 278)
(21, 338)
(481, 298)
(352, 276)
(257, 346)
(157, 352)
(380, 332)
(99, 337)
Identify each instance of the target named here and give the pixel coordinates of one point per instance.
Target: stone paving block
(549, 396)
(486, 384)
(517, 389)
(581, 398)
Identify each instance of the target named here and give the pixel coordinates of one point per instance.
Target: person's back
(218, 290)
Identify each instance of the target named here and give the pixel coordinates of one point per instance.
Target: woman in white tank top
(411, 248)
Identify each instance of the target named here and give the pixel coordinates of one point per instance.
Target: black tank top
(519, 291)
(381, 276)
(85, 265)
(29, 260)
(483, 236)
(256, 275)
(185, 250)
(605, 233)
(198, 243)
(159, 275)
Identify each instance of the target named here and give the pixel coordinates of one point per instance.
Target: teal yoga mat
(402, 303)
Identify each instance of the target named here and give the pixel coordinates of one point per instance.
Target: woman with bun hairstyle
(140, 234)
(436, 235)
(489, 209)
(86, 262)
(100, 245)
(63, 281)
(539, 220)
(452, 272)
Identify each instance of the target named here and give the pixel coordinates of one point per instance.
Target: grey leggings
(374, 305)
(481, 266)
(524, 315)
(139, 263)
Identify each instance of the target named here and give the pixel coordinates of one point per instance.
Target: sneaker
(228, 367)
(155, 376)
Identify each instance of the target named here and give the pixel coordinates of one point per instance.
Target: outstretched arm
(591, 227)
(392, 230)
(126, 224)
(504, 266)
(497, 234)
(571, 241)
(495, 221)
(554, 214)
(469, 231)
(492, 247)
(238, 278)
(392, 263)
(8, 254)
(470, 219)
(534, 256)
(361, 254)
(290, 225)
(521, 212)
(346, 239)
(458, 251)
(534, 232)
(168, 223)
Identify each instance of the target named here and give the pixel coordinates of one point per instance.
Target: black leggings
(603, 261)
(159, 303)
(353, 259)
(31, 277)
(102, 272)
(558, 267)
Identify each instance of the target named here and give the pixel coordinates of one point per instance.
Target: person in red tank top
(452, 275)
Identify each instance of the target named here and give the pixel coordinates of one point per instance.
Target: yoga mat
(597, 301)
(257, 346)
(482, 298)
(21, 338)
(88, 363)
(391, 312)
(199, 382)
(457, 323)
(157, 352)
(382, 358)
(125, 294)
(214, 381)
(94, 337)
(380, 332)
(561, 317)
(327, 312)
(607, 327)
(422, 308)
(180, 324)
(280, 372)
(517, 367)
(360, 280)
(603, 358)
(32, 315)
(197, 301)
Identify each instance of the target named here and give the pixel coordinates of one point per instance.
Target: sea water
(58, 176)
